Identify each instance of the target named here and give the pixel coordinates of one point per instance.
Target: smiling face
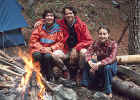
(103, 35)
(69, 16)
(49, 18)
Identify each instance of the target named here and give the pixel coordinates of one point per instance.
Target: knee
(82, 52)
(59, 54)
(36, 56)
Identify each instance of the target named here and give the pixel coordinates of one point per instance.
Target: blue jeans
(105, 73)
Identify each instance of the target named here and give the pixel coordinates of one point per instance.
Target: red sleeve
(34, 42)
(89, 52)
(85, 38)
(112, 57)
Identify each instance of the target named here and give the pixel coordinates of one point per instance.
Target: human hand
(46, 49)
(37, 24)
(94, 66)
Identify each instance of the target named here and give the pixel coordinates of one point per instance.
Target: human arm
(35, 44)
(59, 44)
(39, 22)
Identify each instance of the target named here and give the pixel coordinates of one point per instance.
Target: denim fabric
(104, 73)
(109, 71)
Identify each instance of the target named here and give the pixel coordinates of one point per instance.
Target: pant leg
(85, 75)
(37, 56)
(46, 68)
(109, 71)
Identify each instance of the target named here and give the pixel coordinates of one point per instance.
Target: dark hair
(70, 8)
(48, 11)
(104, 27)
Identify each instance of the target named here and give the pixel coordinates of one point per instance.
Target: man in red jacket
(76, 38)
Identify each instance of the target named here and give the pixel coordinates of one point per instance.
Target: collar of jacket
(63, 24)
(54, 28)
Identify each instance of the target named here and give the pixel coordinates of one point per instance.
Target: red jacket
(42, 38)
(83, 34)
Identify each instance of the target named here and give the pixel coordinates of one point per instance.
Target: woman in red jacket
(46, 43)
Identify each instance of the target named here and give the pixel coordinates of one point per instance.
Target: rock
(100, 96)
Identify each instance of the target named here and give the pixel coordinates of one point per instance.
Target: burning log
(33, 87)
(126, 73)
(125, 59)
(127, 88)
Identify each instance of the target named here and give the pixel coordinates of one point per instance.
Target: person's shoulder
(79, 21)
(113, 43)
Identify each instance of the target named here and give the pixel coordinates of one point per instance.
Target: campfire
(32, 78)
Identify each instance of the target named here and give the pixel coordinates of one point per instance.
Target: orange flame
(29, 68)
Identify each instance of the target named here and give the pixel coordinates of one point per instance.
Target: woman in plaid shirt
(105, 65)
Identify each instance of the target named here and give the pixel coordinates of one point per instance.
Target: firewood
(6, 84)
(18, 69)
(126, 88)
(11, 61)
(5, 68)
(128, 74)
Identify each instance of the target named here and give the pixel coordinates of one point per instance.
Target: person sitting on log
(46, 44)
(101, 61)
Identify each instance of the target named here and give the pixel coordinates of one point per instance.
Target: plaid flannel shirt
(105, 52)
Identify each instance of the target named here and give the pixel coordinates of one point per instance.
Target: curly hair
(48, 11)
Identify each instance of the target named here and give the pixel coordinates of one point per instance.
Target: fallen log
(126, 59)
(127, 88)
(126, 73)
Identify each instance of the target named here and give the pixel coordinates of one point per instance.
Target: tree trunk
(134, 27)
